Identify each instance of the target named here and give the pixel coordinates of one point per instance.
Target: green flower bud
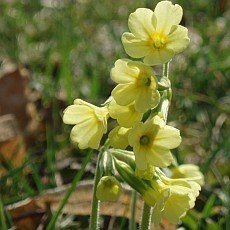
(108, 189)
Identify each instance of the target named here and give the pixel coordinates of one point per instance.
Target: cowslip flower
(126, 115)
(156, 36)
(90, 123)
(152, 141)
(118, 137)
(170, 198)
(136, 84)
(188, 171)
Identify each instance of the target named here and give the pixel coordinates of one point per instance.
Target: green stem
(146, 217)
(132, 223)
(95, 203)
(2, 216)
(166, 69)
(76, 179)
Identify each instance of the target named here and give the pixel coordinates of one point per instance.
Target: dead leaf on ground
(79, 203)
(12, 147)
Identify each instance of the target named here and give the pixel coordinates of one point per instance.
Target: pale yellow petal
(126, 115)
(82, 133)
(158, 121)
(168, 137)
(147, 99)
(94, 141)
(124, 94)
(159, 156)
(140, 159)
(84, 103)
(119, 137)
(190, 172)
(167, 15)
(142, 23)
(135, 47)
(158, 56)
(123, 73)
(135, 134)
(175, 207)
(74, 114)
(129, 119)
(178, 39)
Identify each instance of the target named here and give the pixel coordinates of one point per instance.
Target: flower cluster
(139, 105)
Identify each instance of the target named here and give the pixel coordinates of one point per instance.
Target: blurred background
(53, 51)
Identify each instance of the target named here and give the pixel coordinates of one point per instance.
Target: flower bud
(108, 189)
(128, 175)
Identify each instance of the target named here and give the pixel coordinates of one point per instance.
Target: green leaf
(208, 206)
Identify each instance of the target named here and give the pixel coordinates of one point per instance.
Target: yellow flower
(108, 189)
(152, 141)
(126, 115)
(119, 137)
(182, 198)
(157, 35)
(136, 84)
(90, 123)
(170, 198)
(188, 171)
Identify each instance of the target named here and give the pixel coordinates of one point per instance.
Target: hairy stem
(166, 69)
(132, 222)
(146, 217)
(93, 225)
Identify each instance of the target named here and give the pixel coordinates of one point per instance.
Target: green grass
(70, 50)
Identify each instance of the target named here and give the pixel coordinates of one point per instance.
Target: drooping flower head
(152, 141)
(156, 36)
(136, 84)
(90, 123)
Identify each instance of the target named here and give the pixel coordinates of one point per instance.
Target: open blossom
(171, 199)
(136, 84)
(90, 123)
(156, 36)
(152, 141)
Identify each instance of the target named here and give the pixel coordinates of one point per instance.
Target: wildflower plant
(140, 143)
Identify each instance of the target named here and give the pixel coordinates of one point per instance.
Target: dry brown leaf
(79, 203)
(12, 147)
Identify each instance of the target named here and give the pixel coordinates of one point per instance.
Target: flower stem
(166, 69)
(93, 225)
(146, 217)
(132, 222)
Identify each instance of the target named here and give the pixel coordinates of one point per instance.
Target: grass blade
(76, 179)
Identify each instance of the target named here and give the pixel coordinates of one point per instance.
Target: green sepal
(124, 155)
(106, 164)
(128, 175)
